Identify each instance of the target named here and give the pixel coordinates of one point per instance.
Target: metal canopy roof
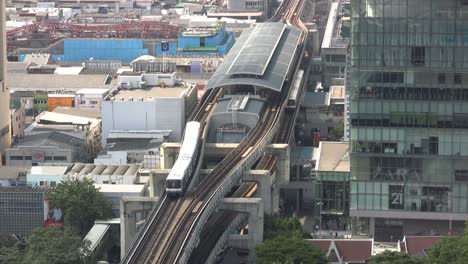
(261, 57)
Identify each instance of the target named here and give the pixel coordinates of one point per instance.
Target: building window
(27, 157)
(53, 184)
(16, 157)
(417, 55)
(61, 158)
(83, 102)
(441, 78)
(457, 78)
(93, 102)
(48, 158)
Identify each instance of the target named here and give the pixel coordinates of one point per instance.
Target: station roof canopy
(261, 57)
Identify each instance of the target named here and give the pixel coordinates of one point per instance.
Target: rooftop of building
(138, 134)
(10, 172)
(26, 189)
(346, 250)
(97, 170)
(148, 94)
(334, 156)
(333, 36)
(417, 245)
(316, 99)
(49, 170)
(47, 118)
(247, 104)
(129, 145)
(94, 113)
(38, 58)
(121, 188)
(24, 81)
(49, 139)
(261, 57)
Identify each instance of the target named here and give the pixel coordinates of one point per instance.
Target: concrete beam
(264, 179)
(219, 149)
(254, 208)
(157, 181)
(131, 209)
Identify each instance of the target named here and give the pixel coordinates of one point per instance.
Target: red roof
(323, 244)
(354, 250)
(358, 250)
(416, 244)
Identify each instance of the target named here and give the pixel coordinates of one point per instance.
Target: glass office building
(409, 111)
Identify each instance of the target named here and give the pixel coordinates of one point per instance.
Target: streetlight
(320, 216)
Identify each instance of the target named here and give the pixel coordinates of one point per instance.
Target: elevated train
(295, 89)
(178, 179)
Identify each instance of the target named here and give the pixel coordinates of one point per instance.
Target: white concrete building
(90, 98)
(155, 108)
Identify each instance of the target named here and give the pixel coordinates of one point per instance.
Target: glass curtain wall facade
(409, 105)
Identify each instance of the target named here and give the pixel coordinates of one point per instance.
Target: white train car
(295, 88)
(179, 177)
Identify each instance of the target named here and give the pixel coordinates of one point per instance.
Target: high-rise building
(409, 117)
(5, 137)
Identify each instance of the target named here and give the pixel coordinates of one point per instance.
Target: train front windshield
(173, 184)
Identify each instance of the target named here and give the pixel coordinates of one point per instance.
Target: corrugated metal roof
(261, 56)
(26, 189)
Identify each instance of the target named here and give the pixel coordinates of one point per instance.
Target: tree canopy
(288, 250)
(81, 203)
(49, 245)
(451, 249)
(284, 243)
(55, 246)
(393, 257)
(276, 226)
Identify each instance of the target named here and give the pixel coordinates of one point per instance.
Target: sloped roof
(349, 250)
(261, 56)
(416, 244)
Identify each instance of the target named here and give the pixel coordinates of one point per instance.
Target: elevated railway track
(174, 227)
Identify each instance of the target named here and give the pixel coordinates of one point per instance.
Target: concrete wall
(85, 100)
(36, 154)
(5, 136)
(18, 122)
(159, 114)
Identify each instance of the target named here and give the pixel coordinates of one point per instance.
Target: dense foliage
(47, 246)
(451, 249)
(284, 243)
(81, 203)
(291, 249)
(393, 257)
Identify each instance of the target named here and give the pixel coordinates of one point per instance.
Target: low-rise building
(56, 137)
(90, 98)
(60, 100)
(155, 108)
(12, 176)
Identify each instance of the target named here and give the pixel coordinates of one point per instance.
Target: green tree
(276, 226)
(338, 131)
(10, 250)
(288, 250)
(55, 246)
(451, 249)
(393, 257)
(81, 203)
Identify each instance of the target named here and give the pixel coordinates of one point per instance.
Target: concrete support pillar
(372, 226)
(157, 181)
(263, 179)
(283, 159)
(254, 208)
(129, 207)
(168, 154)
(275, 194)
